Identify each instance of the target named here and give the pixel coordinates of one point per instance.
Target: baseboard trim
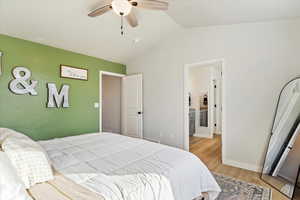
(203, 136)
(151, 140)
(246, 166)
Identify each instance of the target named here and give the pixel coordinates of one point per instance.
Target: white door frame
(186, 102)
(101, 73)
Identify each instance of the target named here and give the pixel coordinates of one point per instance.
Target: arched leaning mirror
(281, 166)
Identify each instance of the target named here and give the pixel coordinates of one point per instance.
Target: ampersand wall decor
(21, 84)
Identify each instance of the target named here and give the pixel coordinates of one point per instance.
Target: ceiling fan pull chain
(122, 25)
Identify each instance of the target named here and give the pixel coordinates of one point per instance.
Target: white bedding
(123, 168)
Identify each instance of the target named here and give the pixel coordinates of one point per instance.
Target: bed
(117, 167)
(61, 188)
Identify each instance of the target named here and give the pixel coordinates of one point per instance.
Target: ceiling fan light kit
(123, 8)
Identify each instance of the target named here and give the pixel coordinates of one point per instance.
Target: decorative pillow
(5, 132)
(11, 186)
(29, 159)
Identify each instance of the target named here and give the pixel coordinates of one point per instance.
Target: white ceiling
(65, 24)
(195, 13)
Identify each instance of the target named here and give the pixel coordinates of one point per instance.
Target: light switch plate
(1, 54)
(96, 105)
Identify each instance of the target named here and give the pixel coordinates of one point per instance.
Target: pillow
(11, 186)
(5, 132)
(29, 159)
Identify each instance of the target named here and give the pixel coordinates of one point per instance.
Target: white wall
(259, 59)
(111, 104)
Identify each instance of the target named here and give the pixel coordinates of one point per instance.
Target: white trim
(186, 107)
(255, 168)
(151, 140)
(101, 73)
(111, 74)
(203, 136)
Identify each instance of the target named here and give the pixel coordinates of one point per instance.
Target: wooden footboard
(62, 188)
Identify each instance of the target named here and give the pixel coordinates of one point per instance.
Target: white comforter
(123, 168)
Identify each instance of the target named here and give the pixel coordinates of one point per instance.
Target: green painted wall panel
(28, 114)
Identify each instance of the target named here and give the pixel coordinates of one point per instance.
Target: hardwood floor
(209, 151)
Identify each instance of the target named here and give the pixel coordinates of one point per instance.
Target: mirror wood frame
(297, 180)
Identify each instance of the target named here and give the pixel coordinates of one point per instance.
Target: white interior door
(218, 104)
(132, 105)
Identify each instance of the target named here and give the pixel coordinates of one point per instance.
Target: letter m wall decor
(58, 99)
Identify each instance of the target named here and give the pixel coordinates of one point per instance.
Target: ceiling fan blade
(151, 4)
(132, 19)
(100, 11)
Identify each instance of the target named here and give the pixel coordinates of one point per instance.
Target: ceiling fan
(123, 8)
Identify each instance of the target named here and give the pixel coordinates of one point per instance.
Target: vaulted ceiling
(65, 24)
(194, 13)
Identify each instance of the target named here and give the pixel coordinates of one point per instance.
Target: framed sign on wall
(73, 72)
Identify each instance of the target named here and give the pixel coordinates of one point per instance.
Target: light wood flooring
(209, 151)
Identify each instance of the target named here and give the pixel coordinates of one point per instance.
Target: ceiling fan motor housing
(121, 7)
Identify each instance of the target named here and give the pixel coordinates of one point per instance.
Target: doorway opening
(111, 112)
(121, 104)
(203, 109)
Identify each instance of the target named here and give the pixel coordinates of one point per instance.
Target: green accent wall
(28, 114)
